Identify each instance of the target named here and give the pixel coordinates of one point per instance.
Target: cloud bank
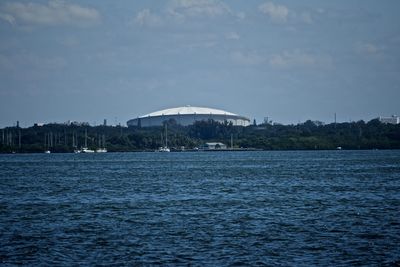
(197, 8)
(50, 14)
(277, 13)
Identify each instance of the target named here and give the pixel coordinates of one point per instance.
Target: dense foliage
(308, 135)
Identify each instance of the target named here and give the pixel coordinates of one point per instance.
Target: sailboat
(102, 145)
(75, 143)
(47, 143)
(85, 149)
(165, 148)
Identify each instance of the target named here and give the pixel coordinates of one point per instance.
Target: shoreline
(206, 150)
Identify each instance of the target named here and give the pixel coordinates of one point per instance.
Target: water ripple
(226, 209)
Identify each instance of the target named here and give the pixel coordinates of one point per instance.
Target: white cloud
(282, 14)
(297, 58)
(277, 13)
(146, 18)
(367, 48)
(8, 18)
(241, 15)
(284, 60)
(232, 36)
(52, 13)
(197, 8)
(251, 58)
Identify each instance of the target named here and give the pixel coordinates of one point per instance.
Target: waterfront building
(391, 120)
(188, 115)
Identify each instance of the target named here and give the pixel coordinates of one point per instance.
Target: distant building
(267, 121)
(188, 115)
(391, 120)
(77, 123)
(68, 123)
(318, 123)
(213, 145)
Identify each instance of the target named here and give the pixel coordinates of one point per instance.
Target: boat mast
(19, 138)
(85, 137)
(166, 136)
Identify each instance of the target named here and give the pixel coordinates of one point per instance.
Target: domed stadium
(188, 115)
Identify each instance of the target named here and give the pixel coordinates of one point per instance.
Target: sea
(249, 208)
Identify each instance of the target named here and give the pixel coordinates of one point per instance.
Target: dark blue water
(334, 208)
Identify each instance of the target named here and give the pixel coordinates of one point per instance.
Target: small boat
(101, 150)
(47, 152)
(164, 149)
(86, 150)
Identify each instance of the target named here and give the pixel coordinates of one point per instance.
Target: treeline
(308, 135)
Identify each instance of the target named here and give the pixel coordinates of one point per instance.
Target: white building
(214, 145)
(188, 115)
(391, 120)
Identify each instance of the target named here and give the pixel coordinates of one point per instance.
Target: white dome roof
(188, 110)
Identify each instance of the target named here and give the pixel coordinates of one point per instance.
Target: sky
(289, 61)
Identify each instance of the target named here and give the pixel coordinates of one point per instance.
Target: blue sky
(115, 60)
